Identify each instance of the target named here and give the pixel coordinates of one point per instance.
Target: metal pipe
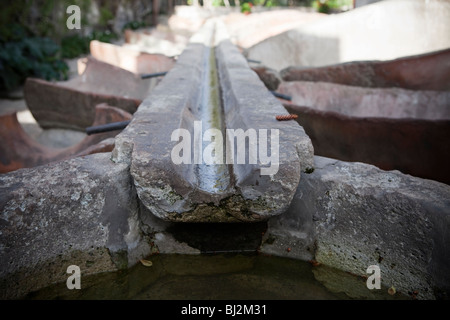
(153, 75)
(107, 127)
(254, 61)
(282, 96)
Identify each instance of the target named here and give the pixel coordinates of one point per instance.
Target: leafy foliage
(326, 6)
(76, 45)
(105, 16)
(323, 7)
(336, 4)
(29, 56)
(25, 47)
(134, 25)
(246, 7)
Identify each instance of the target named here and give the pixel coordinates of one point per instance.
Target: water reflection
(219, 277)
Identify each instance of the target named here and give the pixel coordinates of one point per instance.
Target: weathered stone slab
(353, 215)
(130, 59)
(79, 212)
(423, 72)
(182, 192)
(71, 104)
(390, 128)
(19, 150)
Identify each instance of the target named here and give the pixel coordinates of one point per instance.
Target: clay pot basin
(429, 71)
(71, 104)
(391, 128)
(130, 59)
(18, 150)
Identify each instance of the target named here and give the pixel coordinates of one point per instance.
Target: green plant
(246, 7)
(217, 3)
(321, 6)
(76, 45)
(31, 56)
(337, 4)
(325, 6)
(105, 16)
(134, 25)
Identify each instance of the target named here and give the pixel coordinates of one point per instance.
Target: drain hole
(212, 238)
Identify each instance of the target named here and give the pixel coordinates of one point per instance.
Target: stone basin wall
(85, 212)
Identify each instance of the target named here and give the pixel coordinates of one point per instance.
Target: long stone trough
(220, 189)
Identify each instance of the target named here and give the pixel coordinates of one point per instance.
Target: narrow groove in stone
(213, 178)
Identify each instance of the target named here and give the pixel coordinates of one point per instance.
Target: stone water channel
(213, 177)
(105, 212)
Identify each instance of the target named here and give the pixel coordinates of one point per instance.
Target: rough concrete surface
(353, 215)
(78, 212)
